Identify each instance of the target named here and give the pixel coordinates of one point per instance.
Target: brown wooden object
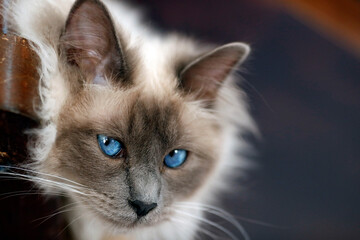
(340, 19)
(18, 73)
(19, 81)
(18, 90)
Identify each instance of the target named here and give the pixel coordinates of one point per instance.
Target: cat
(140, 130)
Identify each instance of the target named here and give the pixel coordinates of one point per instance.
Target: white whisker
(57, 211)
(18, 192)
(45, 174)
(74, 189)
(218, 212)
(53, 215)
(28, 194)
(230, 215)
(227, 232)
(206, 232)
(74, 220)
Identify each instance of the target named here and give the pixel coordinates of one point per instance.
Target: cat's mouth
(122, 214)
(127, 222)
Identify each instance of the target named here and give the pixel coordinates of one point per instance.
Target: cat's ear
(90, 42)
(205, 75)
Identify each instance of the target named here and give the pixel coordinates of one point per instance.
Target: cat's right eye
(175, 158)
(110, 146)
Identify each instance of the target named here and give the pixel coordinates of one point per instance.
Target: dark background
(304, 93)
(305, 96)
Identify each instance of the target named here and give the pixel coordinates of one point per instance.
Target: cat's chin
(120, 227)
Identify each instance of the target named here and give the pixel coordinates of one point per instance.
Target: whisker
(28, 194)
(29, 177)
(74, 220)
(217, 226)
(8, 178)
(232, 216)
(206, 232)
(17, 192)
(45, 174)
(57, 211)
(220, 213)
(259, 94)
(52, 183)
(53, 215)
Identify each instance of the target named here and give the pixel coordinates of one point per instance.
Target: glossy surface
(18, 76)
(175, 158)
(109, 146)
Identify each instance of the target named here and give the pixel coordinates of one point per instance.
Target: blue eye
(110, 146)
(175, 158)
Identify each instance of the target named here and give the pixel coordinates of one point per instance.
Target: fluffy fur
(67, 112)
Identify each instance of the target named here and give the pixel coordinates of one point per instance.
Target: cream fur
(41, 21)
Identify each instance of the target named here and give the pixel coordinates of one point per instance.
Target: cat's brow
(153, 124)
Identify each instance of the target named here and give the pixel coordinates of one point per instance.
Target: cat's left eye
(175, 158)
(110, 146)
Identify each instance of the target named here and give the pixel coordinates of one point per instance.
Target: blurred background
(303, 83)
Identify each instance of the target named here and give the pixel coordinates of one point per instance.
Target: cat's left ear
(204, 76)
(90, 42)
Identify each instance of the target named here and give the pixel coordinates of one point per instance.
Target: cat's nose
(142, 208)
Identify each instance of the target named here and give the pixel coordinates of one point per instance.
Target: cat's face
(148, 129)
(130, 144)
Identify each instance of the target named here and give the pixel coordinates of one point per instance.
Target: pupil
(172, 153)
(106, 141)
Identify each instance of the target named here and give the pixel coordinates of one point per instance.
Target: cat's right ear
(90, 42)
(205, 75)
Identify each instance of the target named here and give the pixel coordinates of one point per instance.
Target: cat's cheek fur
(152, 116)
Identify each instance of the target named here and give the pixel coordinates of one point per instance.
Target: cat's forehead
(153, 119)
(137, 104)
(138, 117)
(130, 111)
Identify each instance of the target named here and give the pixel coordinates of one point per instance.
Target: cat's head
(136, 137)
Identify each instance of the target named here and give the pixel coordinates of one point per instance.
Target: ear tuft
(90, 42)
(205, 74)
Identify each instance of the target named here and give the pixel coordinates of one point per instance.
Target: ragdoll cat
(139, 130)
